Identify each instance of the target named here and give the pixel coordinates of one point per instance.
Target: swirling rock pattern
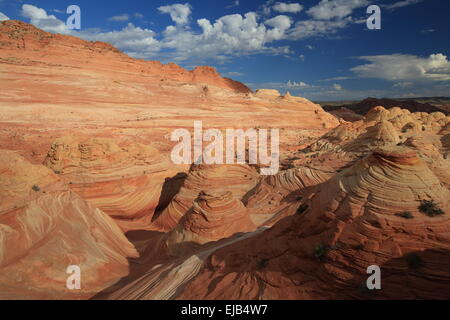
(366, 213)
(125, 182)
(238, 179)
(279, 195)
(351, 223)
(350, 199)
(214, 216)
(44, 228)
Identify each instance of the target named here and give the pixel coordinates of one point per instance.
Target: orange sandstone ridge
(55, 85)
(213, 217)
(351, 223)
(45, 227)
(238, 179)
(124, 182)
(330, 221)
(24, 41)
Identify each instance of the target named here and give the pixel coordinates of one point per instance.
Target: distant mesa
(363, 107)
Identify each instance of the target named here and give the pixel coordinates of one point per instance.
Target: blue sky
(319, 49)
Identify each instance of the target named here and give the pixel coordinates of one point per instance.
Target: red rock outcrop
(343, 145)
(280, 195)
(57, 85)
(374, 212)
(124, 182)
(45, 228)
(356, 220)
(238, 179)
(214, 216)
(370, 192)
(345, 114)
(16, 34)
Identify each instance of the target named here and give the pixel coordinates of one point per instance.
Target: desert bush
(414, 260)
(430, 208)
(320, 251)
(405, 215)
(263, 263)
(302, 209)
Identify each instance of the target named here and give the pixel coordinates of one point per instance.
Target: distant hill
(424, 104)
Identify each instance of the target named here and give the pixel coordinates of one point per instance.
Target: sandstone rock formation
(17, 34)
(368, 201)
(45, 228)
(348, 142)
(238, 179)
(57, 85)
(373, 191)
(214, 216)
(280, 195)
(125, 182)
(356, 220)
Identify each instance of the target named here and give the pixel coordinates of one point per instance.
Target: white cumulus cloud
(293, 84)
(405, 67)
(122, 17)
(136, 41)
(3, 17)
(178, 12)
(287, 7)
(280, 24)
(330, 9)
(313, 28)
(42, 20)
(220, 39)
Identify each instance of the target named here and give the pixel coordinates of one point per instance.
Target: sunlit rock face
(357, 219)
(88, 171)
(125, 182)
(214, 216)
(238, 179)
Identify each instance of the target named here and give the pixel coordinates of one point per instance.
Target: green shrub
(405, 214)
(414, 261)
(430, 208)
(302, 209)
(36, 188)
(320, 251)
(262, 264)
